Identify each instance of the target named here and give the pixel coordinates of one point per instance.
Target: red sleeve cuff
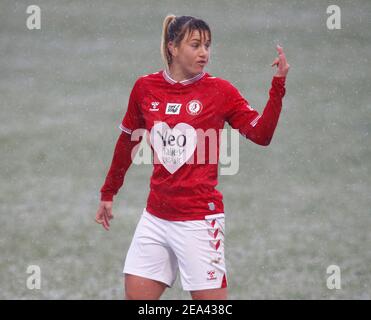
(278, 86)
(279, 80)
(106, 197)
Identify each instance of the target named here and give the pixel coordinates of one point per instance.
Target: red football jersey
(177, 115)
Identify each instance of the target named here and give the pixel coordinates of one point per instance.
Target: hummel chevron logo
(154, 106)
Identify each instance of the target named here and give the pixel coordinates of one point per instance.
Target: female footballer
(182, 226)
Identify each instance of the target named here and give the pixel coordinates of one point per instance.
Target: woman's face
(193, 53)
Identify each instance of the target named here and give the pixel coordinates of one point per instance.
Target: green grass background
(292, 210)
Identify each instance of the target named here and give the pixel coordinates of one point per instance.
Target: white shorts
(196, 247)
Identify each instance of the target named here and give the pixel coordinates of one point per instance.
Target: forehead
(202, 35)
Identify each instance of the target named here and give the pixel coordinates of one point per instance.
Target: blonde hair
(165, 53)
(174, 29)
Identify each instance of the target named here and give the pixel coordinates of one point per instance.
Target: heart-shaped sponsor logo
(173, 146)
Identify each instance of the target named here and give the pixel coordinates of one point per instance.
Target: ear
(173, 50)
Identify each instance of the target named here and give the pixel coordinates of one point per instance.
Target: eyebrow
(197, 39)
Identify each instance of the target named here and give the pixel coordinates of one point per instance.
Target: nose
(204, 51)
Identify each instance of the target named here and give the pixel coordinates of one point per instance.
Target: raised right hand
(281, 63)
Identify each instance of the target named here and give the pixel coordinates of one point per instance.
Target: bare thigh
(139, 288)
(210, 294)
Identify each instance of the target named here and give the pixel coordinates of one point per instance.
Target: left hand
(281, 63)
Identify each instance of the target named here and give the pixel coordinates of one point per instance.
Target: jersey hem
(183, 217)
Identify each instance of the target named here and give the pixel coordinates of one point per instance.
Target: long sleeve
(258, 128)
(122, 159)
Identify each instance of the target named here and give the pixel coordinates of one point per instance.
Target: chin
(196, 70)
(200, 69)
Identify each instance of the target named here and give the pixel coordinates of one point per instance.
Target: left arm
(260, 128)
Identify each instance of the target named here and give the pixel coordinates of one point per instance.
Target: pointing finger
(282, 59)
(279, 49)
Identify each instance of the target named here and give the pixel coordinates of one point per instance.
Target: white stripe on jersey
(122, 128)
(255, 121)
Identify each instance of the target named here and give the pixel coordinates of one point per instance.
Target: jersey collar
(183, 82)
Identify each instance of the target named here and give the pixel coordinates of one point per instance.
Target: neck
(178, 74)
